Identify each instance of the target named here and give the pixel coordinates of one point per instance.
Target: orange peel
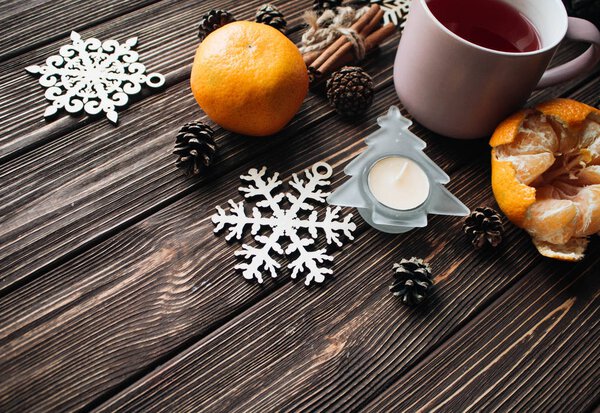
(546, 175)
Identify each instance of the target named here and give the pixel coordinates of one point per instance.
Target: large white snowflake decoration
(286, 224)
(93, 76)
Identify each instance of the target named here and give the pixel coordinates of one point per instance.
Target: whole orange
(249, 78)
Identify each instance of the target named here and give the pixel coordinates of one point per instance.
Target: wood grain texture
(137, 296)
(167, 39)
(64, 200)
(33, 29)
(331, 349)
(65, 288)
(251, 378)
(109, 269)
(535, 349)
(165, 257)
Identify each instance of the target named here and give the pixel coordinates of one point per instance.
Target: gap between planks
(161, 47)
(387, 400)
(165, 205)
(176, 78)
(65, 34)
(256, 303)
(88, 243)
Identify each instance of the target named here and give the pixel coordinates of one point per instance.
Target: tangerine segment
(552, 220)
(574, 250)
(249, 78)
(537, 134)
(530, 166)
(553, 155)
(588, 202)
(590, 175)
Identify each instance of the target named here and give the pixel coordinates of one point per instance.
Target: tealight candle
(398, 183)
(393, 184)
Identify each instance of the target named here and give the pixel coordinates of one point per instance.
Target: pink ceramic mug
(459, 89)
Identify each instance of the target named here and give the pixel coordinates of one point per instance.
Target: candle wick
(402, 171)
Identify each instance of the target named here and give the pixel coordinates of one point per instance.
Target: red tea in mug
(489, 23)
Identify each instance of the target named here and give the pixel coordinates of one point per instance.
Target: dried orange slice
(546, 175)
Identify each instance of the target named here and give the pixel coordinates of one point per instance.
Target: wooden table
(116, 295)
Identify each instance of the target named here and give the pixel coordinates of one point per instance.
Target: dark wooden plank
(171, 257)
(331, 349)
(167, 41)
(70, 307)
(535, 349)
(104, 193)
(360, 341)
(42, 21)
(63, 188)
(157, 285)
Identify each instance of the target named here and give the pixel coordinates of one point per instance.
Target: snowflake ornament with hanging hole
(286, 224)
(93, 76)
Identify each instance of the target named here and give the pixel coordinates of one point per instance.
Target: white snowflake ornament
(93, 76)
(285, 224)
(395, 11)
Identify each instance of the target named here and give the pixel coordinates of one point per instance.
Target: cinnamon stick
(310, 57)
(357, 26)
(377, 37)
(371, 42)
(368, 29)
(345, 48)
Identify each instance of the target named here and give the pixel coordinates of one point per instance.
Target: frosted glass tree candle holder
(393, 184)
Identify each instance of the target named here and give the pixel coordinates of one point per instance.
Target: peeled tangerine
(546, 175)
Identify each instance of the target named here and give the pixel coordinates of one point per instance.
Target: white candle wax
(398, 183)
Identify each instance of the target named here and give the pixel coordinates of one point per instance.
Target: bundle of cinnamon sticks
(342, 52)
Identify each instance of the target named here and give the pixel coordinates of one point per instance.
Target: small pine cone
(270, 15)
(350, 91)
(484, 226)
(212, 20)
(195, 147)
(320, 5)
(412, 281)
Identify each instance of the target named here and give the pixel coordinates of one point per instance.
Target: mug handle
(579, 30)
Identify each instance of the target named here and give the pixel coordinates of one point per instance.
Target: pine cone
(195, 147)
(412, 281)
(350, 91)
(212, 20)
(270, 15)
(320, 5)
(484, 225)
